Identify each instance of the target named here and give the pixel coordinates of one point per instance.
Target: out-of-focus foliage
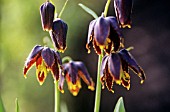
(1, 105)
(20, 30)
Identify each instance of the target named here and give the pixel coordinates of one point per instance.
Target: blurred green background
(21, 30)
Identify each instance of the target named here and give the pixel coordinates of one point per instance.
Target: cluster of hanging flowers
(105, 34)
(47, 59)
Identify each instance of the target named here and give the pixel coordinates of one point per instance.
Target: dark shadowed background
(21, 31)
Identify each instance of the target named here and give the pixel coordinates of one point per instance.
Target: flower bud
(123, 9)
(58, 34)
(47, 15)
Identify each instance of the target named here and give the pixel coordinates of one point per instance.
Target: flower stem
(106, 7)
(61, 12)
(57, 98)
(98, 86)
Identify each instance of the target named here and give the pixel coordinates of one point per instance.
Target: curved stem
(61, 12)
(106, 7)
(57, 97)
(98, 86)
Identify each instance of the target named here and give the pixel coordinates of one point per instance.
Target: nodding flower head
(47, 15)
(115, 68)
(73, 71)
(45, 59)
(58, 34)
(123, 9)
(105, 34)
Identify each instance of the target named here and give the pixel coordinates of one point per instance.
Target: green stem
(98, 85)
(106, 7)
(61, 12)
(57, 98)
(66, 59)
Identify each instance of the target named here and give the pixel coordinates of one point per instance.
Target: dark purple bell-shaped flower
(58, 34)
(47, 15)
(45, 59)
(105, 34)
(115, 68)
(123, 9)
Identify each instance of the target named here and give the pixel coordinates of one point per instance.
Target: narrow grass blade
(2, 109)
(16, 105)
(88, 10)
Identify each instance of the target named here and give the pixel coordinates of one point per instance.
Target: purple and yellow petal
(55, 71)
(109, 80)
(41, 72)
(128, 58)
(74, 88)
(61, 82)
(114, 65)
(83, 73)
(32, 58)
(48, 57)
(96, 47)
(101, 30)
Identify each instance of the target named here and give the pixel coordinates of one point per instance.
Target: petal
(55, 71)
(58, 35)
(54, 39)
(114, 65)
(74, 88)
(109, 79)
(103, 66)
(41, 73)
(61, 82)
(72, 71)
(103, 70)
(83, 73)
(96, 47)
(48, 57)
(90, 34)
(123, 9)
(125, 66)
(57, 57)
(115, 33)
(128, 58)
(108, 47)
(32, 58)
(47, 15)
(126, 80)
(115, 26)
(101, 30)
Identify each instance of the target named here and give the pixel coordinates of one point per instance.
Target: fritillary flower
(115, 68)
(105, 34)
(45, 59)
(73, 72)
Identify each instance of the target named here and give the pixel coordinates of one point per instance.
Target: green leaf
(88, 10)
(16, 105)
(119, 106)
(2, 109)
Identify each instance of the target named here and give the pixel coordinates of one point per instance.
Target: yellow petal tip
(62, 91)
(75, 93)
(25, 76)
(142, 81)
(112, 91)
(91, 88)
